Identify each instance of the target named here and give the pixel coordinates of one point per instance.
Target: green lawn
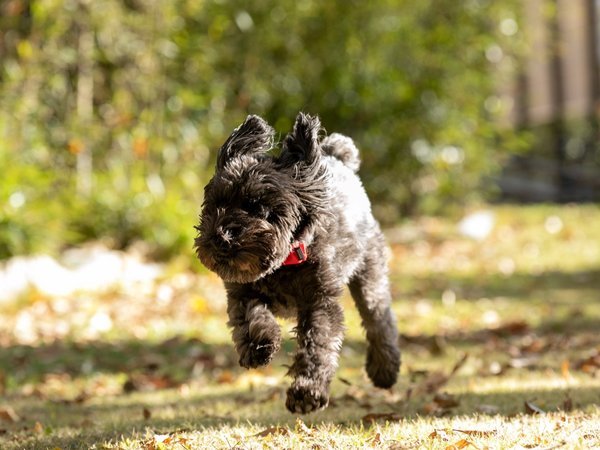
(500, 341)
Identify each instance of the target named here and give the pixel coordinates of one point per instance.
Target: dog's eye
(251, 206)
(256, 209)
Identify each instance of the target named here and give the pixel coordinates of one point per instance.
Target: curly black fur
(255, 207)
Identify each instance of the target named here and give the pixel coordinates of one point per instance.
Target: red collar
(298, 255)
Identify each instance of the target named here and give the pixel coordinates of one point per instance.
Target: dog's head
(256, 204)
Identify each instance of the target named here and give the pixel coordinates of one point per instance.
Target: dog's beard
(248, 258)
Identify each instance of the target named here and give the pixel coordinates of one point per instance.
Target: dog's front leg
(319, 333)
(256, 334)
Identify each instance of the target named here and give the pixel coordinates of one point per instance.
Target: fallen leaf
(477, 433)
(564, 369)
(301, 427)
(226, 377)
(160, 441)
(147, 382)
(433, 409)
(531, 408)
(38, 428)
(273, 430)
(445, 400)
(511, 328)
(8, 414)
(590, 364)
(146, 413)
(404, 446)
(441, 434)
(376, 439)
(463, 443)
(374, 417)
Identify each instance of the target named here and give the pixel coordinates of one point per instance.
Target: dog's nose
(227, 235)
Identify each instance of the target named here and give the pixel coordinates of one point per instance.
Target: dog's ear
(253, 136)
(302, 144)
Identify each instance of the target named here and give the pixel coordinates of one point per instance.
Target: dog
(285, 233)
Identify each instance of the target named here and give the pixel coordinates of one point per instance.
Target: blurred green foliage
(147, 90)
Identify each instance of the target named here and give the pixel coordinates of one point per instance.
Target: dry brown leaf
(145, 382)
(159, 441)
(146, 413)
(511, 328)
(374, 417)
(446, 400)
(564, 369)
(226, 377)
(301, 427)
(396, 445)
(590, 364)
(432, 409)
(8, 414)
(376, 439)
(441, 434)
(272, 430)
(477, 433)
(463, 443)
(531, 408)
(38, 428)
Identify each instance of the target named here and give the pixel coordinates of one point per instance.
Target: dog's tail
(342, 148)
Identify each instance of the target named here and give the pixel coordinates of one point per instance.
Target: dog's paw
(383, 366)
(306, 397)
(257, 354)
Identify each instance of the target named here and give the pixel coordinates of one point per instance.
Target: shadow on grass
(180, 360)
(117, 422)
(516, 285)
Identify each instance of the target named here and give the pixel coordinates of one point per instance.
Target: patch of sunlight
(537, 382)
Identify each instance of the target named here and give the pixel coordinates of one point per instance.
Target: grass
(517, 315)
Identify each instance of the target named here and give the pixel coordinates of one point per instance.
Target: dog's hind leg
(371, 292)
(256, 334)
